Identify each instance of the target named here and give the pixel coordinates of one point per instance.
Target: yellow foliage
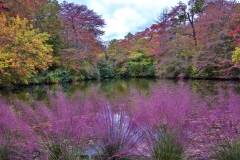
(101, 55)
(236, 55)
(23, 50)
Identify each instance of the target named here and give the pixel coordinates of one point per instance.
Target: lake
(119, 119)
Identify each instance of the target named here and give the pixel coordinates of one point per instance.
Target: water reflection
(207, 89)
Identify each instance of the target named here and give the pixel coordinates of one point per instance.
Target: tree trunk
(190, 18)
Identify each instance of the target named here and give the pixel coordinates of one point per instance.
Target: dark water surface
(117, 88)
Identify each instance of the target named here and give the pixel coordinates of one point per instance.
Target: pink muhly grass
(165, 107)
(69, 120)
(15, 134)
(214, 125)
(164, 112)
(65, 122)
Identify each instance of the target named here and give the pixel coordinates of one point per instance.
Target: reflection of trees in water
(111, 88)
(210, 91)
(117, 88)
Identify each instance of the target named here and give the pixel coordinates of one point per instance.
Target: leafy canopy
(23, 50)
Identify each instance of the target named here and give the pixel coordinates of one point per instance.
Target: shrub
(62, 75)
(105, 70)
(166, 146)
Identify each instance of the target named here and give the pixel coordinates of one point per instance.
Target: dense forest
(43, 41)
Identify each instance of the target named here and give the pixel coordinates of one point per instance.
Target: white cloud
(121, 22)
(123, 16)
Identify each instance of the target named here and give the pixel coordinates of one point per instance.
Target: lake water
(111, 88)
(203, 113)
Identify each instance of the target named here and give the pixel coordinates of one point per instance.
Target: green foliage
(120, 72)
(151, 71)
(139, 65)
(87, 71)
(134, 69)
(61, 152)
(209, 72)
(57, 43)
(48, 19)
(182, 17)
(52, 77)
(37, 78)
(170, 69)
(62, 75)
(190, 72)
(4, 152)
(198, 6)
(227, 151)
(55, 151)
(167, 147)
(105, 70)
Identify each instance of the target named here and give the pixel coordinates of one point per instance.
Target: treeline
(43, 41)
(195, 40)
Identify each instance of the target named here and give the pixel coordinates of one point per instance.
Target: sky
(124, 16)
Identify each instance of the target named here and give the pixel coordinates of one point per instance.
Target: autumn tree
(47, 19)
(235, 33)
(23, 50)
(183, 14)
(43, 14)
(163, 15)
(82, 27)
(172, 40)
(129, 56)
(172, 50)
(209, 52)
(81, 34)
(171, 44)
(196, 7)
(214, 58)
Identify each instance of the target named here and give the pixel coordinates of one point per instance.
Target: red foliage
(235, 29)
(82, 31)
(214, 40)
(3, 6)
(82, 27)
(23, 8)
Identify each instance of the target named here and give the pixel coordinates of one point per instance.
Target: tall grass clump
(166, 146)
(227, 151)
(119, 135)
